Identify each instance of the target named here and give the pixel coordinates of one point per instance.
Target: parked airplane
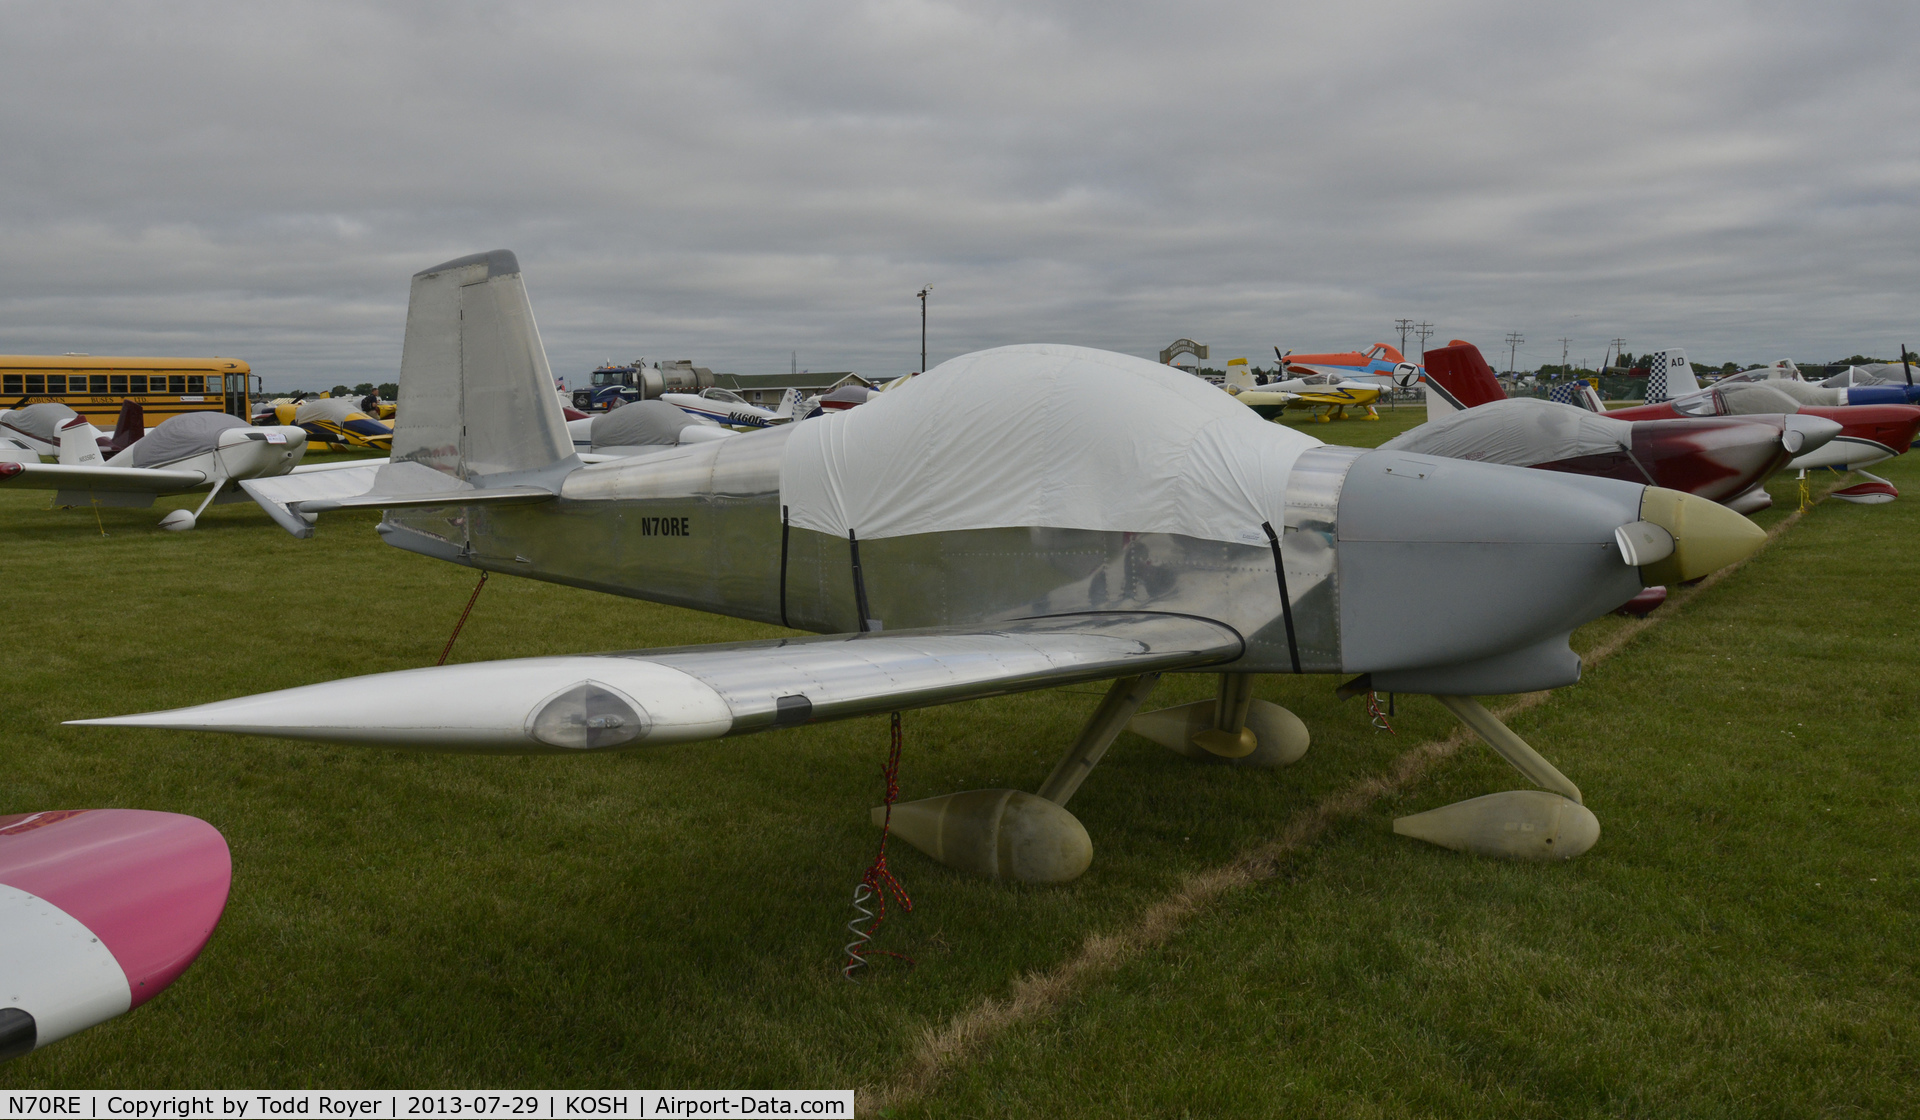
(725, 407)
(1717, 458)
(639, 428)
(1378, 365)
(188, 452)
(338, 422)
(1127, 521)
(1324, 396)
(1869, 433)
(100, 909)
(36, 427)
(1877, 373)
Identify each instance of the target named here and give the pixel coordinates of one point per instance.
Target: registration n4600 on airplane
(1129, 521)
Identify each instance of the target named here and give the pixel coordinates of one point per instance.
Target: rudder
(1458, 377)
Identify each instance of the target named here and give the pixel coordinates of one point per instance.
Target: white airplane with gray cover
(1128, 521)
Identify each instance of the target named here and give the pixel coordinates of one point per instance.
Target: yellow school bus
(97, 387)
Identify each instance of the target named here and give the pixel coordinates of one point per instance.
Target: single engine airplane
(1718, 458)
(1324, 396)
(725, 407)
(1379, 365)
(185, 453)
(1128, 521)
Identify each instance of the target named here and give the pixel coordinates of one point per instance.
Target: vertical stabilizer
(1240, 375)
(1670, 376)
(1459, 377)
(79, 444)
(476, 394)
(130, 429)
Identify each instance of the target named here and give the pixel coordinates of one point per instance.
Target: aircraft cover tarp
(41, 421)
(1518, 432)
(173, 439)
(640, 424)
(1042, 436)
(331, 410)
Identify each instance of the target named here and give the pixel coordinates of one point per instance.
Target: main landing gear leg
(1008, 834)
(1233, 728)
(1518, 824)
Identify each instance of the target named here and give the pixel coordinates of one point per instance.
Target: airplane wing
(647, 697)
(99, 910)
(136, 480)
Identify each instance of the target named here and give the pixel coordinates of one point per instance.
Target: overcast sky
(729, 183)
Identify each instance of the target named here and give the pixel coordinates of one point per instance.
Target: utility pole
(794, 362)
(1403, 326)
(1426, 332)
(1619, 348)
(1513, 349)
(923, 327)
(1565, 345)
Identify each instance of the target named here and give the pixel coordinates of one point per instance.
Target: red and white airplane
(1722, 457)
(100, 909)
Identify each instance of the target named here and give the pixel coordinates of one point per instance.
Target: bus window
(36, 383)
(118, 382)
(11, 384)
(196, 383)
(176, 383)
(56, 383)
(137, 383)
(96, 384)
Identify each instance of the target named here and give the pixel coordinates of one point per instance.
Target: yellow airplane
(1325, 396)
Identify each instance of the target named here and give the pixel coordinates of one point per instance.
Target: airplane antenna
(923, 326)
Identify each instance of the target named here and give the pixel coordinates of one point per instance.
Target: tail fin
(1670, 376)
(789, 404)
(79, 444)
(1239, 374)
(476, 394)
(1459, 377)
(131, 427)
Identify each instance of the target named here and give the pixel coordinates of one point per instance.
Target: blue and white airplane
(726, 408)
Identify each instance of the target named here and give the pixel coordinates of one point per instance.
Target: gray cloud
(732, 182)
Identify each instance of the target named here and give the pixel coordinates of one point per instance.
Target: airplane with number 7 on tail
(1128, 521)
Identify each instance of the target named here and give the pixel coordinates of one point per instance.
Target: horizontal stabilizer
(295, 500)
(649, 697)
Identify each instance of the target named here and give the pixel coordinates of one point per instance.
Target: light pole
(923, 327)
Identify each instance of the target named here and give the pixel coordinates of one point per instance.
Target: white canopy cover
(1518, 432)
(1043, 436)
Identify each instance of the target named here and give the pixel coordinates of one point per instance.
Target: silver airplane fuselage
(1379, 574)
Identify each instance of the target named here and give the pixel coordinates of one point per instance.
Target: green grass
(674, 916)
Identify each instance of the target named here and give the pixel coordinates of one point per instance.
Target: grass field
(1741, 942)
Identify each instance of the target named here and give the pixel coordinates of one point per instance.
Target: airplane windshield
(1701, 404)
(722, 395)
